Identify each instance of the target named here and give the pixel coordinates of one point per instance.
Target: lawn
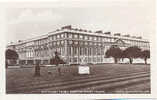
(23, 77)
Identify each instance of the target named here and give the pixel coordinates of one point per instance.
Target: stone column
(72, 54)
(87, 56)
(101, 54)
(92, 59)
(78, 54)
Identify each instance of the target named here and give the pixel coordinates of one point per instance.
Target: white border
(59, 3)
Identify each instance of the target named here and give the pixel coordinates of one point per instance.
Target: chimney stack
(66, 27)
(100, 31)
(107, 33)
(117, 34)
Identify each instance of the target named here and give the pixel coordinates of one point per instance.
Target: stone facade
(74, 46)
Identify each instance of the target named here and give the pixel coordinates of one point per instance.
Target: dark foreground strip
(76, 83)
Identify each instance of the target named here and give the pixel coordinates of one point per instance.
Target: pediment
(119, 42)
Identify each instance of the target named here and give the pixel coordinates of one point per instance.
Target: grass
(25, 76)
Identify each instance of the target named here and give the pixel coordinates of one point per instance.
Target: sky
(134, 17)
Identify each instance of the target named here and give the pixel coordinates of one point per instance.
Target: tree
(132, 52)
(10, 55)
(56, 61)
(145, 55)
(114, 52)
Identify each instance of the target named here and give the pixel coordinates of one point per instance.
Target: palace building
(74, 46)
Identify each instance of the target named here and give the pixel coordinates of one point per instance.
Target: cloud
(29, 16)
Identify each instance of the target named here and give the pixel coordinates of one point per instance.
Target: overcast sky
(135, 17)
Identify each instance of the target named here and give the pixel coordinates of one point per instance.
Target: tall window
(54, 37)
(86, 37)
(58, 42)
(99, 38)
(69, 35)
(90, 37)
(94, 51)
(58, 36)
(85, 51)
(103, 39)
(54, 43)
(70, 42)
(62, 42)
(81, 36)
(112, 40)
(95, 38)
(90, 51)
(81, 50)
(75, 36)
(86, 43)
(76, 42)
(75, 50)
(98, 51)
(62, 35)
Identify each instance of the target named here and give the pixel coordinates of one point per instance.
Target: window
(81, 50)
(70, 42)
(95, 38)
(54, 43)
(75, 50)
(54, 37)
(62, 35)
(65, 35)
(58, 43)
(85, 51)
(58, 36)
(86, 43)
(90, 51)
(98, 51)
(112, 40)
(98, 38)
(86, 37)
(81, 43)
(101, 38)
(81, 36)
(70, 35)
(108, 39)
(90, 37)
(62, 42)
(75, 36)
(76, 42)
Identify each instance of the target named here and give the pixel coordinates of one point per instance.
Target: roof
(69, 29)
